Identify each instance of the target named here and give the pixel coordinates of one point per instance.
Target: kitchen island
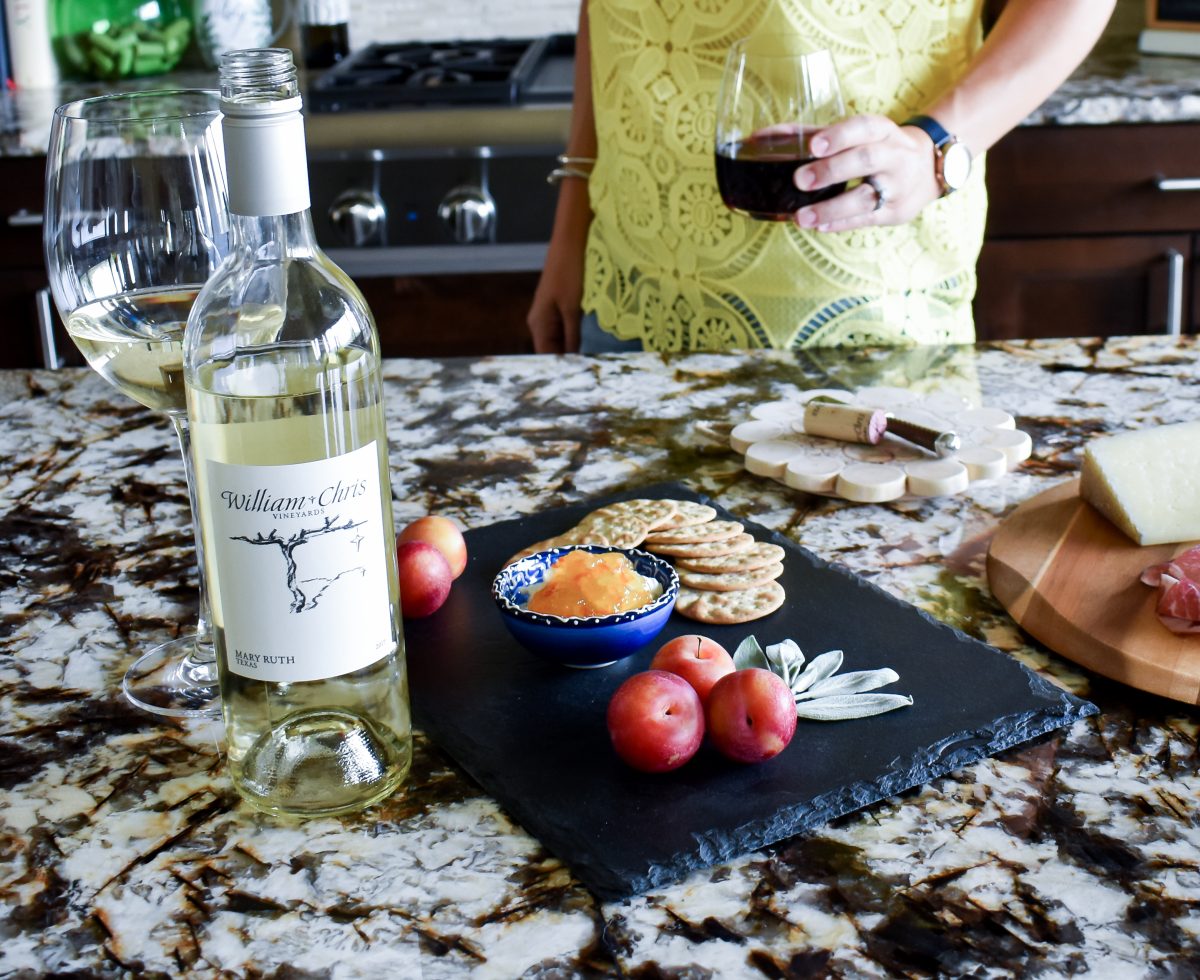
(125, 850)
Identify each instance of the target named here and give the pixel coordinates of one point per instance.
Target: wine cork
(844, 422)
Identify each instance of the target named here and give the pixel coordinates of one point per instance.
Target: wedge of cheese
(1147, 482)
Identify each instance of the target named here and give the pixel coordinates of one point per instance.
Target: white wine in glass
(136, 220)
(135, 342)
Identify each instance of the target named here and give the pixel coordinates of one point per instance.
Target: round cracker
(704, 549)
(762, 553)
(581, 534)
(618, 530)
(688, 512)
(696, 533)
(567, 538)
(724, 608)
(654, 513)
(731, 581)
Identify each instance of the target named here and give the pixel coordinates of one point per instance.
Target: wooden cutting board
(1070, 578)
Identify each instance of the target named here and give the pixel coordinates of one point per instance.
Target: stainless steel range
(431, 159)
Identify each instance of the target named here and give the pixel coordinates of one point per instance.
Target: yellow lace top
(667, 263)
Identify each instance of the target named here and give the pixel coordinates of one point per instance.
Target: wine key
(847, 423)
(933, 440)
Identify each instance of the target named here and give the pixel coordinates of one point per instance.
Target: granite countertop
(123, 849)
(1115, 84)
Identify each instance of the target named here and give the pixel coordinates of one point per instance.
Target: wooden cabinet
(1091, 231)
(426, 316)
(474, 314)
(22, 266)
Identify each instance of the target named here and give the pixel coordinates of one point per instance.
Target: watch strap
(932, 128)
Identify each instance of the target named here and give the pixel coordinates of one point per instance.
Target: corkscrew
(848, 423)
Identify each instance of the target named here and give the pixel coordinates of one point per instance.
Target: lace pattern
(668, 263)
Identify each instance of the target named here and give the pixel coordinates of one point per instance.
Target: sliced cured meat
(1182, 566)
(1178, 584)
(1179, 604)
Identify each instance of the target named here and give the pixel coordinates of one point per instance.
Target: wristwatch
(952, 158)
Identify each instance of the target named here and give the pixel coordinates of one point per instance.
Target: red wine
(757, 179)
(324, 45)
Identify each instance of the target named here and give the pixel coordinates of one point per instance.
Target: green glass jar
(110, 39)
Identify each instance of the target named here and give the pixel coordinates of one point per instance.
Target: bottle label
(301, 566)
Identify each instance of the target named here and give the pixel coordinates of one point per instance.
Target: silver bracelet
(571, 166)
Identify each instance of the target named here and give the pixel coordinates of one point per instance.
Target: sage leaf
(750, 654)
(822, 667)
(786, 660)
(854, 682)
(846, 706)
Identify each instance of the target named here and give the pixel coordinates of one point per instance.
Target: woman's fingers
(894, 165)
(855, 131)
(852, 148)
(857, 207)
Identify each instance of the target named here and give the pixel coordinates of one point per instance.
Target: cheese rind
(1147, 482)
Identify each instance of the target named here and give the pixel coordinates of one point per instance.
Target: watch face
(956, 165)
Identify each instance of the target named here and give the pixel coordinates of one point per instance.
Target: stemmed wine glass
(775, 92)
(136, 220)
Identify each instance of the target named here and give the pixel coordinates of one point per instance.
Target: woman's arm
(553, 318)
(1033, 47)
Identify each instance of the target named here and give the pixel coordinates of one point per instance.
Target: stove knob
(359, 217)
(471, 214)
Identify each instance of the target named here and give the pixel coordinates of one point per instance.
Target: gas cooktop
(502, 71)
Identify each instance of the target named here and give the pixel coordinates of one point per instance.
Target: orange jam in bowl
(584, 583)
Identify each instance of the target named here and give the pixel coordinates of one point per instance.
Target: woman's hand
(554, 314)
(895, 164)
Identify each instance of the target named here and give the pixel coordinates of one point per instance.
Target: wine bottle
(324, 32)
(285, 397)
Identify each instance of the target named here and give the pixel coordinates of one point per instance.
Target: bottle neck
(265, 158)
(275, 236)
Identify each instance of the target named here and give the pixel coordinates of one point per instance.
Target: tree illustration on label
(301, 600)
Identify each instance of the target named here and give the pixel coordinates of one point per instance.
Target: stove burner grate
(384, 75)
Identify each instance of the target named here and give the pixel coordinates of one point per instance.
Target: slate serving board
(533, 734)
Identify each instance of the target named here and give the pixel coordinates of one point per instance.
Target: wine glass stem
(204, 652)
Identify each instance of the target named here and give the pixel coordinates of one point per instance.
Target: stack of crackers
(726, 576)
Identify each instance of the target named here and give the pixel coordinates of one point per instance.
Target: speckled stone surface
(123, 850)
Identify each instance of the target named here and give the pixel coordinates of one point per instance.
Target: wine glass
(136, 220)
(775, 92)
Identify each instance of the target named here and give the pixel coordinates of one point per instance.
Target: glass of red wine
(775, 93)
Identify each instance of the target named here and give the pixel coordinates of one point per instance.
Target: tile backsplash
(446, 20)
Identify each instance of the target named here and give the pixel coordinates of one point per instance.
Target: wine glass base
(171, 681)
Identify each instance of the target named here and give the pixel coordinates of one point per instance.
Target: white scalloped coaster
(775, 445)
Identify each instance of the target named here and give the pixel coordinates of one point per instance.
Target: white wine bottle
(285, 396)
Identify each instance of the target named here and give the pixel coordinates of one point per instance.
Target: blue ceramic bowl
(583, 641)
